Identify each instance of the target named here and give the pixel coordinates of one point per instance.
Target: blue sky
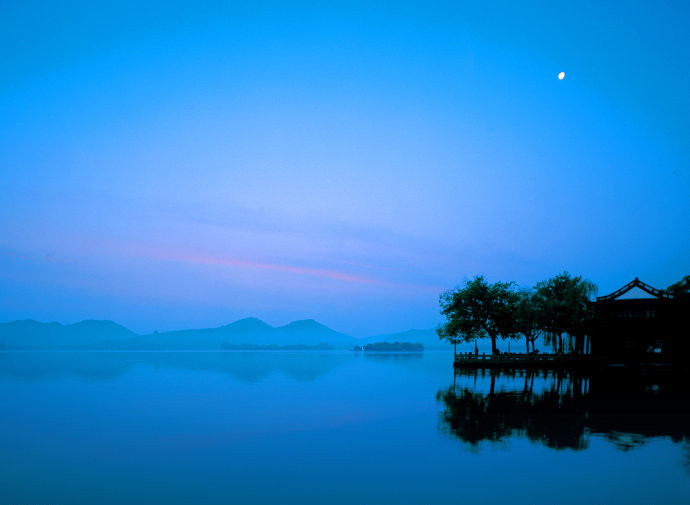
(179, 165)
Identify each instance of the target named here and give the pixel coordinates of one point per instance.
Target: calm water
(329, 428)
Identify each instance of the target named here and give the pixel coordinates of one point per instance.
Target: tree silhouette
(563, 307)
(477, 310)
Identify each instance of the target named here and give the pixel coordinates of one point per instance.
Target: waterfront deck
(514, 360)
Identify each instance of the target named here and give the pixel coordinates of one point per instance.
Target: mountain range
(249, 333)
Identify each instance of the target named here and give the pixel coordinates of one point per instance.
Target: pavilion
(649, 326)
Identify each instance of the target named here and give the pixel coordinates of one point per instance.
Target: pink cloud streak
(316, 272)
(277, 267)
(137, 251)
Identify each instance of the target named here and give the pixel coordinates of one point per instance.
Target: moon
(561, 76)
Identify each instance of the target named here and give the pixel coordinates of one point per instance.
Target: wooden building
(652, 328)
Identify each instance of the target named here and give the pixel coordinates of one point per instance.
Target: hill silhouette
(30, 334)
(248, 333)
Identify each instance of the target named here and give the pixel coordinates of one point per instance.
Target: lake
(329, 428)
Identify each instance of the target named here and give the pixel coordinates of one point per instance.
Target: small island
(388, 347)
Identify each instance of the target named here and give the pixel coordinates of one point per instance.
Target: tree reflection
(562, 410)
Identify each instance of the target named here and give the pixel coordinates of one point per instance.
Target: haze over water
(313, 428)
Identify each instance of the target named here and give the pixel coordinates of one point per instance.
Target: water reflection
(249, 366)
(563, 410)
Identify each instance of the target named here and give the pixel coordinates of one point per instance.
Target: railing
(524, 359)
(512, 357)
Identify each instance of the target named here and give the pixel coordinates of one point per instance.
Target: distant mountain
(31, 334)
(244, 331)
(248, 333)
(310, 332)
(247, 325)
(100, 335)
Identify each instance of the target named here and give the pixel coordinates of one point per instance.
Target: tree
(680, 288)
(527, 317)
(479, 309)
(453, 334)
(459, 327)
(563, 305)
